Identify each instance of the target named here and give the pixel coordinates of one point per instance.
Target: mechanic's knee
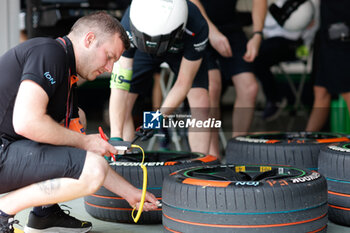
(94, 172)
(251, 90)
(321, 94)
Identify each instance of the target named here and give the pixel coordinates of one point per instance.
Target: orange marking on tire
(244, 226)
(114, 208)
(330, 140)
(339, 207)
(339, 194)
(207, 159)
(171, 230)
(210, 183)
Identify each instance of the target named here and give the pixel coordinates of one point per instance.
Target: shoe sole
(278, 112)
(56, 230)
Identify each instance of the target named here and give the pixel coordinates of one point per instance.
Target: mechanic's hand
(151, 202)
(120, 152)
(94, 143)
(220, 42)
(253, 46)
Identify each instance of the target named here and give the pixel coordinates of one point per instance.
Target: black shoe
(164, 144)
(6, 225)
(59, 221)
(273, 110)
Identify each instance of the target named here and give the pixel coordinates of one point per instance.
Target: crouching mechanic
(42, 162)
(160, 31)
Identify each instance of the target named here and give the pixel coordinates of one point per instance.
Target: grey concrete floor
(283, 123)
(99, 226)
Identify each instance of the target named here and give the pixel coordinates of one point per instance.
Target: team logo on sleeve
(48, 76)
(130, 39)
(201, 46)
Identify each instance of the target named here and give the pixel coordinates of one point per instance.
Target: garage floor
(78, 211)
(296, 124)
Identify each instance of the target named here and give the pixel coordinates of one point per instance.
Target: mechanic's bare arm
(177, 94)
(217, 40)
(31, 121)
(117, 102)
(258, 16)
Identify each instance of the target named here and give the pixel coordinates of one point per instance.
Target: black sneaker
(6, 225)
(59, 221)
(164, 144)
(273, 110)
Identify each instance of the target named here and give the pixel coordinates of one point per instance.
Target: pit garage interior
(53, 18)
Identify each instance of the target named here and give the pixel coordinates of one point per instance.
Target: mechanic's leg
(199, 139)
(246, 88)
(157, 96)
(58, 190)
(129, 128)
(320, 109)
(346, 97)
(215, 87)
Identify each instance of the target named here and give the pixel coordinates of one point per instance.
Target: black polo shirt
(44, 61)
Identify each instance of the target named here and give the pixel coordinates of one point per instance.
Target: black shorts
(26, 162)
(145, 65)
(332, 66)
(232, 65)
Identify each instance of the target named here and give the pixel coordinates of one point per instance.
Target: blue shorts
(232, 65)
(26, 162)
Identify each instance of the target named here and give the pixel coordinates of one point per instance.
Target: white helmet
(294, 15)
(155, 24)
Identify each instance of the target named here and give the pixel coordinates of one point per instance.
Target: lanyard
(71, 81)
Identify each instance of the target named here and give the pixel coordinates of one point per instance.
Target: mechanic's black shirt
(42, 60)
(222, 13)
(334, 12)
(194, 41)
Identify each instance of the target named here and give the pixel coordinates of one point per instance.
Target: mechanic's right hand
(94, 143)
(220, 42)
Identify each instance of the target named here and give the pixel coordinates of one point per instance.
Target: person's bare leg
(346, 97)
(320, 109)
(58, 190)
(129, 127)
(246, 88)
(199, 139)
(156, 92)
(215, 87)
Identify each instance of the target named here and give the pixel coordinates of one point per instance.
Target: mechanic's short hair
(103, 25)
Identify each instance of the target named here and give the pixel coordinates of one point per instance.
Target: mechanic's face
(100, 57)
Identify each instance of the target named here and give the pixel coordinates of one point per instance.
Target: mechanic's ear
(89, 39)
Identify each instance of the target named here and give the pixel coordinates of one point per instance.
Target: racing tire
(245, 198)
(107, 206)
(334, 163)
(299, 149)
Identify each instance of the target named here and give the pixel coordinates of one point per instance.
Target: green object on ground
(339, 116)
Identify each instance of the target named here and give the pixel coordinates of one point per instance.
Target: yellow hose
(144, 187)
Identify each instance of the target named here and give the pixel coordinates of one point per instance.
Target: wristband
(120, 78)
(116, 139)
(259, 33)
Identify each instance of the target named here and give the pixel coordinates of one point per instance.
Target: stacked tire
(334, 164)
(244, 198)
(300, 149)
(107, 206)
